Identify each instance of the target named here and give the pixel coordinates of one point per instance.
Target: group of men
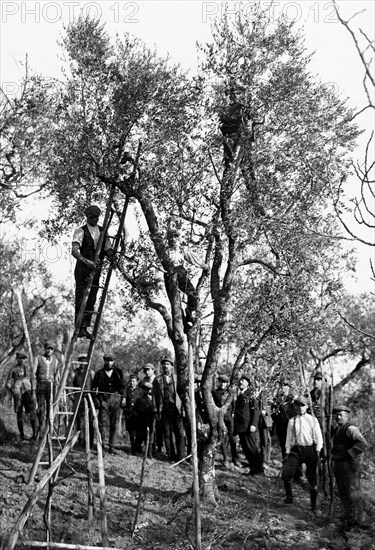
(153, 414)
(32, 389)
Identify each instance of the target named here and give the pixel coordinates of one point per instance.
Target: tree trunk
(207, 474)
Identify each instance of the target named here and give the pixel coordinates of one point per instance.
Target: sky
(33, 28)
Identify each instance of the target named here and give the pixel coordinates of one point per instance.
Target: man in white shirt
(179, 255)
(85, 241)
(303, 444)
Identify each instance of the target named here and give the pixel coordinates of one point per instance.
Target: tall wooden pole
(194, 451)
(24, 324)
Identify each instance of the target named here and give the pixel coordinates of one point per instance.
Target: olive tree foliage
(362, 204)
(261, 220)
(44, 304)
(24, 118)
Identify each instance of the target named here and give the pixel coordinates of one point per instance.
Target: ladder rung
(92, 312)
(58, 437)
(64, 412)
(97, 286)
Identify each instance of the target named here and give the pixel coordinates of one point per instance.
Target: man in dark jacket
(348, 445)
(246, 418)
(108, 389)
(220, 395)
(132, 394)
(19, 384)
(85, 241)
(144, 414)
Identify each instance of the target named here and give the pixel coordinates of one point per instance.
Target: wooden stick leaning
(63, 545)
(141, 482)
(194, 449)
(17, 529)
(102, 489)
(90, 483)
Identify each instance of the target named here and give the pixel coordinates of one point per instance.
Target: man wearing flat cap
(46, 375)
(172, 414)
(246, 418)
(304, 442)
(131, 395)
(85, 241)
(108, 388)
(347, 446)
(157, 431)
(144, 413)
(220, 396)
(19, 384)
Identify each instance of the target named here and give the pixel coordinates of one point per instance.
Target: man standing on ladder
(85, 240)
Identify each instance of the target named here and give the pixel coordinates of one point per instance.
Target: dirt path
(250, 514)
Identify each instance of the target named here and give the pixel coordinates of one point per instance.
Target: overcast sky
(34, 27)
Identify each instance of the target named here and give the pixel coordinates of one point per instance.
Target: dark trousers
(81, 276)
(347, 476)
(229, 438)
(131, 429)
(173, 425)
(141, 436)
(302, 455)
(81, 423)
(109, 412)
(25, 402)
(265, 444)
(43, 396)
(187, 287)
(249, 443)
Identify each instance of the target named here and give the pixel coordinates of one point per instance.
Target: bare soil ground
(250, 513)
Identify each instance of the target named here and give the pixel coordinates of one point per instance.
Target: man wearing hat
(172, 418)
(157, 432)
(46, 373)
(78, 382)
(144, 414)
(85, 241)
(246, 418)
(132, 394)
(347, 446)
(221, 395)
(108, 388)
(304, 442)
(18, 383)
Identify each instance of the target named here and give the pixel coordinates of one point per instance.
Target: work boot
(84, 333)
(313, 498)
(288, 492)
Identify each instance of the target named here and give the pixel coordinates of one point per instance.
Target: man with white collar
(85, 241)
(45, 377)
(108, 387)
(304, 442)
(172, 417)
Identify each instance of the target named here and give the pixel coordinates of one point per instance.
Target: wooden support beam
(63, 545)
(24, 516)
